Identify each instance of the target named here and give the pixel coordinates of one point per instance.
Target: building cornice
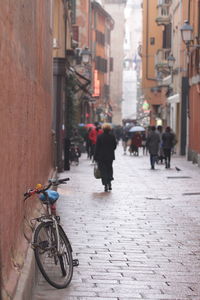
(101, 10)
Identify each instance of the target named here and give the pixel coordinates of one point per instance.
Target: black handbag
(97, 173)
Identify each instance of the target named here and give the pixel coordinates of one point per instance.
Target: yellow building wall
(63, 38)
(150, 30)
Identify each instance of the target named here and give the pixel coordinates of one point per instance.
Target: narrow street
(139, 241)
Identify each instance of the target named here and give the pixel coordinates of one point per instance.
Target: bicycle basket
(53, 196)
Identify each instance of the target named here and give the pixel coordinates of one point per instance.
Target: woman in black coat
(105, 154)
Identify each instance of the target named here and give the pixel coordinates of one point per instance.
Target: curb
(27, 278)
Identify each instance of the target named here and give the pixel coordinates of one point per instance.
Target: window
(73, 11)
(101, 64)
(167, 36)
(75, 33)
(100, 38)
(152, 41)
(111, 64)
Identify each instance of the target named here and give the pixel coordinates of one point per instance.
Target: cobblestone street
(139, 241)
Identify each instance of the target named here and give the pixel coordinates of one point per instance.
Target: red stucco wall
(194, 121)
(194, 91)
(25, 114)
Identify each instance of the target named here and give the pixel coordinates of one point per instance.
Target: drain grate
(191, 194)
(178, 177)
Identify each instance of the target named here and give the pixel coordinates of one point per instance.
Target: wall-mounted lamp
(187, 35)
(171, 61)
(82, 55)
(159, 78)
(186, 32)
(85, 54)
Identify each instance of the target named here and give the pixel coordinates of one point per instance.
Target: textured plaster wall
(25, 114)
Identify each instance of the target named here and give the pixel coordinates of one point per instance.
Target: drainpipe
(189, 10)
(199, 21)
(65, 16)
(147, 44)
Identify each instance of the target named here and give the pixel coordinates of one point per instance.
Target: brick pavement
(140, 241)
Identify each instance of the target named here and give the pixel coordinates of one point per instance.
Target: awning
(174, 99)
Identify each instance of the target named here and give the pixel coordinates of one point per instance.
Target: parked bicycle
(52, 248)
(74, 154)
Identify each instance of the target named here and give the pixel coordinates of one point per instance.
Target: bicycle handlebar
(52, 182)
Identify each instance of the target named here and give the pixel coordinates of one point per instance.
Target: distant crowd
(100, 142)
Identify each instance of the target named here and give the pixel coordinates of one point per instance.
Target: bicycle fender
(60, 228)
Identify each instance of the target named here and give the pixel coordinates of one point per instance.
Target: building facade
(82, 35)
(177, 83)
(26, 120)
(102, 25)
(116, 9)
(192, 56)
(63, 16)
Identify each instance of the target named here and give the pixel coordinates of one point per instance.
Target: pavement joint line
(191, 194)
(179, 177)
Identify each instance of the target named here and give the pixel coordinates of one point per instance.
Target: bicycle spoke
(57, 268)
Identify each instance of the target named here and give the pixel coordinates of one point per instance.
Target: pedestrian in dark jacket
(105, 154)
(168, 139)
(153, 142)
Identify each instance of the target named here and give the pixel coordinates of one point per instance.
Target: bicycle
(74, 154)
(52, 248)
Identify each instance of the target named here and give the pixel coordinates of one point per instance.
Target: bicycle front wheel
(57, 268)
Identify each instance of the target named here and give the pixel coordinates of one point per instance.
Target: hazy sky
(133, 31)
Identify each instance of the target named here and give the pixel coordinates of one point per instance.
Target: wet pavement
(139, 241)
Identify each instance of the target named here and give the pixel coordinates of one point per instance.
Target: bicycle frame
(55, 221)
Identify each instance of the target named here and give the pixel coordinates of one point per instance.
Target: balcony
(161, 62)
(163, 15)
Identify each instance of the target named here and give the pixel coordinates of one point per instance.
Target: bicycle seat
(52, 195)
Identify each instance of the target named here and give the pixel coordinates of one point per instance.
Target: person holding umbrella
(136, 142)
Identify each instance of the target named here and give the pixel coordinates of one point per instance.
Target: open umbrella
(137, 128)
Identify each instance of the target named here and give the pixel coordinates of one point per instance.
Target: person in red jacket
(136, 142)
(93, 136)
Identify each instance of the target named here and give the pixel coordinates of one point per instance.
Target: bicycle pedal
(75, 263)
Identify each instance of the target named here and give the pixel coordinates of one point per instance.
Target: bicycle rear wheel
(57, 268)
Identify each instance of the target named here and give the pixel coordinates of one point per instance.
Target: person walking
(88, 143)
(160, 151)
(125, 138)
(153, 142)
(136, 143)
(93, 137)
(144, 142)
(105, 154)
(168, 139)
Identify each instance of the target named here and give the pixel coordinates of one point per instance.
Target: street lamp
(187, 37)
